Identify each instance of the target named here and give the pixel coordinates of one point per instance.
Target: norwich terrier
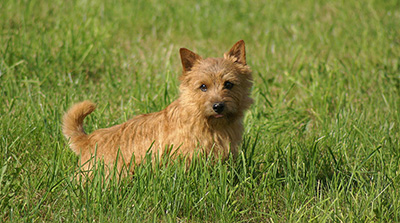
(206, 118)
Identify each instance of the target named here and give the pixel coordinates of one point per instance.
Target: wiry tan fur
(188, 124)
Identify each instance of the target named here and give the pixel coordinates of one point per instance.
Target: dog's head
(216, 88)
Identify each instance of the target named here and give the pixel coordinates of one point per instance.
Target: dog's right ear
(188, 59)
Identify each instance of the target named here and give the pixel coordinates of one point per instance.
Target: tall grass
(321, 140)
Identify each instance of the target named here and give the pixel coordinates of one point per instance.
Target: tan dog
(207, 117)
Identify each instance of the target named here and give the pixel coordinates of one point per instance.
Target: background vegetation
(321, 141)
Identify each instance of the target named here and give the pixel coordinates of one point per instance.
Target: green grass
(321, 140)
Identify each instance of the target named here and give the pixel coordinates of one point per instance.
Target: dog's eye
(228, 85)
(203, 87)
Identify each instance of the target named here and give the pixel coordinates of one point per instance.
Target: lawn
(321, 141)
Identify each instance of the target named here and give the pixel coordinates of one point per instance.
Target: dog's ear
(188, 59)
(237, 52)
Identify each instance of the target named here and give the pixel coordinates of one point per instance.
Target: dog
(207, 117)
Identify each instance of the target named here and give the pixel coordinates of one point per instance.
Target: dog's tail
(73, 124)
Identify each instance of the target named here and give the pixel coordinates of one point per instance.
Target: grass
(321, 141)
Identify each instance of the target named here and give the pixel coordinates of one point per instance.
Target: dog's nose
(218, 107)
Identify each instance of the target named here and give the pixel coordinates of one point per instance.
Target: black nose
(218, 107)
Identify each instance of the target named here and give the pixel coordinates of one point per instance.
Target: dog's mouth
(218, 116)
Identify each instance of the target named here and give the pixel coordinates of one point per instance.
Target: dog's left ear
(237, 52)
(188, 59)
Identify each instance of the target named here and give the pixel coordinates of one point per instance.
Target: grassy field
(321, 141)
